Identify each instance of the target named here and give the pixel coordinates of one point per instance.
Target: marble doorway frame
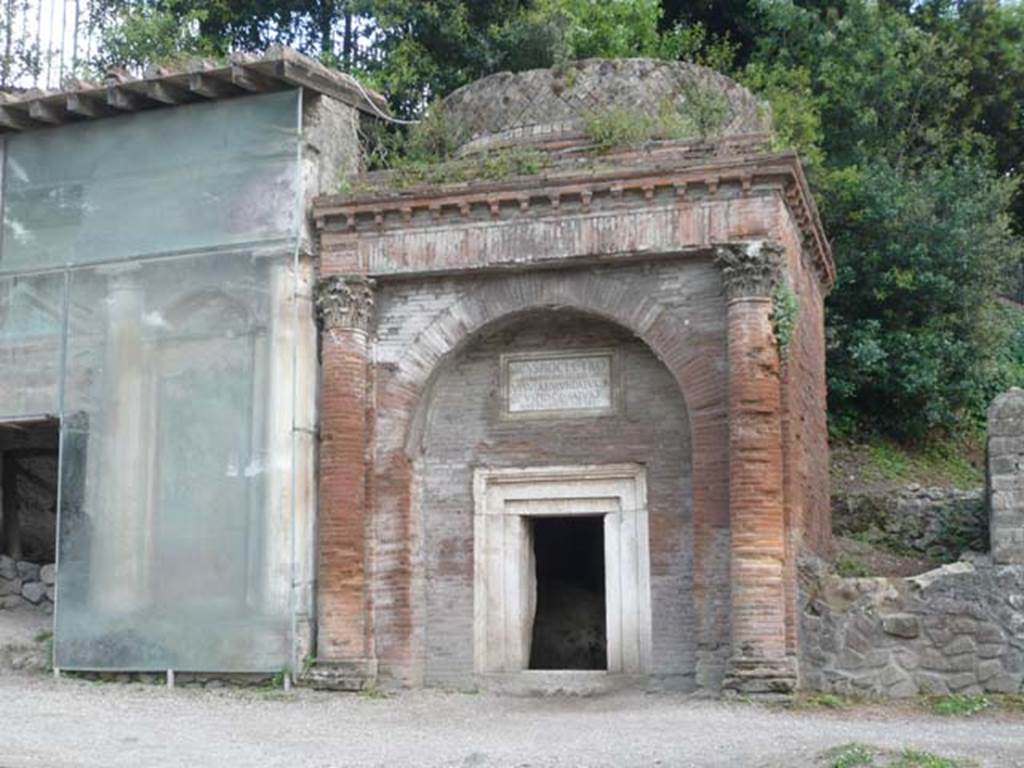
(504, 581)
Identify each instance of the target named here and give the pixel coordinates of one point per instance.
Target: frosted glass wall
(147, 298)
(31, 322)
(175, 551)
(194, 177)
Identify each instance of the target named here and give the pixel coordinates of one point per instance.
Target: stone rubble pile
(26, 585)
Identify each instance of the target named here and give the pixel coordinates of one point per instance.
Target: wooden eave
(278, 69)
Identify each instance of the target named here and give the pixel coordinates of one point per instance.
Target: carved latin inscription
(578, 383)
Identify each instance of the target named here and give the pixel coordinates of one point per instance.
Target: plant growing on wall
(785, 310)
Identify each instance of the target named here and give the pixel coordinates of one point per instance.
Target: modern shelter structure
(563, 424)
(157, 333)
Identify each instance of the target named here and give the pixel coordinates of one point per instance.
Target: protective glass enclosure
(148, 299)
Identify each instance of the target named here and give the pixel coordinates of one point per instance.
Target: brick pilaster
(344, 304)
(759, 662)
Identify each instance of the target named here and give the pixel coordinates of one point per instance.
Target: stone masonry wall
(936, 523)
(1006, 476)
(957, 629)
(26, 585)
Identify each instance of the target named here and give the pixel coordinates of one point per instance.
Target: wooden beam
(162, 91)
(248, 80)
(89, 104)
(49, 112)
(121, 98)
(210, 87)
(15, 119)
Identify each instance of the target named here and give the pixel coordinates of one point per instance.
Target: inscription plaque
(557, 382)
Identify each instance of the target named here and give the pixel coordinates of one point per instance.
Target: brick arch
(402, 395)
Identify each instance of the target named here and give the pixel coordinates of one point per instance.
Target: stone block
(34, 592)
(8, 568)
(990, 650)
(1005, 683)
(903, 625)
(51, 594)
(929, 682)
(964, 662)
(962, 644)
(961, 680)
(10, 586)
(28, 571)
(48, 574)
(989, 669)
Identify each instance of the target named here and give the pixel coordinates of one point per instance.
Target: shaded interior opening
(28, 490)
(569, 625)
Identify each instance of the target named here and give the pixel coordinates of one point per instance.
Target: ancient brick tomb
(573, 389)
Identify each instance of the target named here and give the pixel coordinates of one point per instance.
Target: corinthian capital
(344, 301)
(751, 269)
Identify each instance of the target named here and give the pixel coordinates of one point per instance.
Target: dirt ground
(59, 724)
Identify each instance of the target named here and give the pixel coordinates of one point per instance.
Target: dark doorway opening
(28, 490)
(569, 629)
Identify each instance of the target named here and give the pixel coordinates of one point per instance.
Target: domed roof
(543, 105)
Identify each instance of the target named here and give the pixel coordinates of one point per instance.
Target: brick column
(344, 304)
(759, 663)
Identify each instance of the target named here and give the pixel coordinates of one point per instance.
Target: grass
(939, 462)
(910, 758)
(373, 692)
(959, 704)
(851, 756)
(855, 755)
(42, 637)
(851, 568)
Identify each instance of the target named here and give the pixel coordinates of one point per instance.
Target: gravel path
(66, 723)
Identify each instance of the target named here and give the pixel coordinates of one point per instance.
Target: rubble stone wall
(26, 585)
(936, 523)
(957, 629)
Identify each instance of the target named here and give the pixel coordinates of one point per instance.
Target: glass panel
(170, 180)
(31, 312)
(175, 544)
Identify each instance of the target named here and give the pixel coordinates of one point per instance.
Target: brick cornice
(344, 302)
(576, 191)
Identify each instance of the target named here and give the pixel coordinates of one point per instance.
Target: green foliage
(917, 341)
(851, 756)
(794, 108)
(851, 568)
(959, 704)
(426, 154)
(858, 755)
(699, 113)
(142, 35)
(556, 32)
(910, 758)
(785, 312)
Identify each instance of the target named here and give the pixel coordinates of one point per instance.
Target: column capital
(345, 302)
(750, 269)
